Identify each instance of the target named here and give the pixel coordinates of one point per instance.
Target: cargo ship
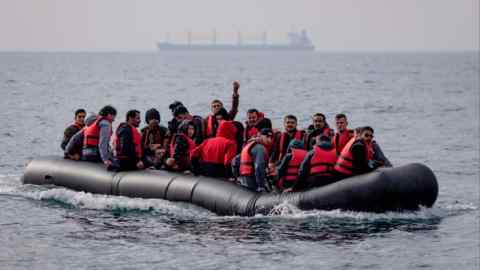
(297, 41)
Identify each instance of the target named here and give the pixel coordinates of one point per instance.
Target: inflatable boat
(389, 189)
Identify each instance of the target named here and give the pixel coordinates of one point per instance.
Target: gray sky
(120, 25)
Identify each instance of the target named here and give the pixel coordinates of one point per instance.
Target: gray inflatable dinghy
(390, 189)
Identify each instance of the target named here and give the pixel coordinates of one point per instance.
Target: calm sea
(424, 108)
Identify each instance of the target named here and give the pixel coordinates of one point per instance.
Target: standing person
(154, 139)
(282, 139)
(317, 168)
(343, 134)
(128, 143)
(77, 125)
(251, 164)
(210, 122)
(357, 156)
(319, 126)
(96, 143)
(214, 156)
(287, 170)
(181, 147)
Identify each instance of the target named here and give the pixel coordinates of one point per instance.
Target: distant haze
(340, 25)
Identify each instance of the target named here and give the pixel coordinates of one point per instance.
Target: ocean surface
(424, 108)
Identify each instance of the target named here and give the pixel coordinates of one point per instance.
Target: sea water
(424, 108)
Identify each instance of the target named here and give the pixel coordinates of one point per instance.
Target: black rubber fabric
(390, 189)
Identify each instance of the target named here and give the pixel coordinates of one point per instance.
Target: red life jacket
(282, 149)
(210, 129)
(323, 161)
(191, 144)
(370, 151)
(136, 140)
(298, 155)
(341, 139)
(246, 162)
(77, 125)
(92, 133)
(344, 164)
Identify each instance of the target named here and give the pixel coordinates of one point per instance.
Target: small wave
(286, 210)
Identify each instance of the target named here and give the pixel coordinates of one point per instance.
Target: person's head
(216, 105)
(290, 123)
(152, 117)
(108, 112)
(222, 114)
(318, 121)
(133, 118)
(367, 134)
(266, 136)
(187, 127)
(357, 132)
(180, 113)
(323, 140)
(80, 116)
(90, 119)
(341, 122)
(174, 105)
(252, 117)
(295, 144)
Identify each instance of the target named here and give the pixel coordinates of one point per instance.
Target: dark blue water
(424, 108)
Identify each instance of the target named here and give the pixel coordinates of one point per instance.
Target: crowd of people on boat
(254, 154)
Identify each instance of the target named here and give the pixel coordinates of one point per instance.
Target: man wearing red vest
(287, 170)
(128, 143)
(251, 164)
(214, 156)
(96, 143)
(282, 139)
(343, 134)
(357, 156)
(256, 121)
(210, 122)
(317, 168)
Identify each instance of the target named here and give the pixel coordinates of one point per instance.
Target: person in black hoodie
(181, 147)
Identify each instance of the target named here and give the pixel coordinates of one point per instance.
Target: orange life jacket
(191, 145)
(136, 140)
(92, 133)
(344, 164)
(341, 139)
(282, 150)
(298, 155)
(246, 162)
(323, 161)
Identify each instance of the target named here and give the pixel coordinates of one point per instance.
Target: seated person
(128, 143)
(96, 143)
(357, 155)
(73, 150)
(317, 168)
(287, 170)
(281, 140)
(154, 140)
(74, 128)
(254, 120)
(319, 126)
(213, 157)
(251, 165)
(181, 147)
